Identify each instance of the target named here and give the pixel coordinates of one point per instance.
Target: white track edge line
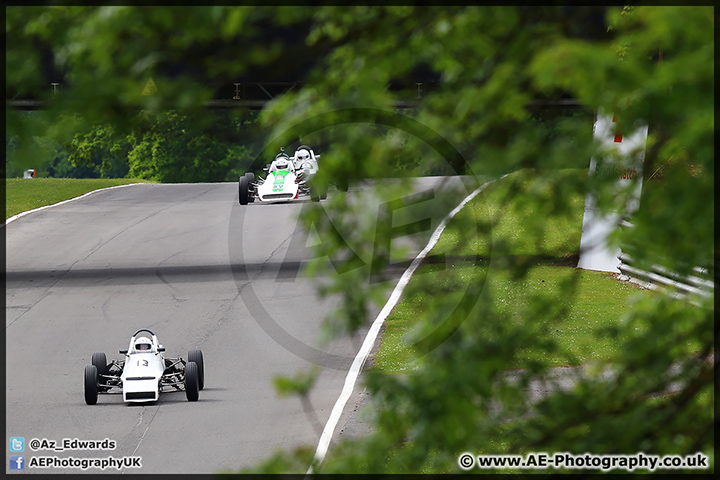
(372, 334)
(22, 214)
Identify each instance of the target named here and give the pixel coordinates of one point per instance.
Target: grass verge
(599, 301)
(492, 238)
(22, 195)
(517, 257)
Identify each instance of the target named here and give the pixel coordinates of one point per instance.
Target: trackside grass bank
(486, 244)
(22, 195)
(502, 282)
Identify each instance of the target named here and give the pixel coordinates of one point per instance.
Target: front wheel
(243, 193)
(192, 381)
(91, 384)
(251, 179)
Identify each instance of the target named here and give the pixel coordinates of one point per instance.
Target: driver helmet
(282, 164)
(143, 344)
(302, 154)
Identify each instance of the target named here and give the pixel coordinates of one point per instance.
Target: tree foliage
(166, 147)
(494, 63)
(495, 67)
(169, 147)
(101, 150)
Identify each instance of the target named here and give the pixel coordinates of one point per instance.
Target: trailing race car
(305, 160)
(287, 179)
(144, 372)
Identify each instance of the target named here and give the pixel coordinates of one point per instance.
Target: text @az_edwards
(71, 444)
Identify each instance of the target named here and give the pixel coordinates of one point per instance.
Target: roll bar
(143, 330)
(160, 348)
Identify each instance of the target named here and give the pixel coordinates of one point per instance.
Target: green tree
(102, 151)
(173, 147)
(104, 56)
(170, 146)
(494, 63)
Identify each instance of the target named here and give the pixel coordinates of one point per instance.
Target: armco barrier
(660, 278)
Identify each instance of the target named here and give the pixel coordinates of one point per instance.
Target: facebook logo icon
(17, 462)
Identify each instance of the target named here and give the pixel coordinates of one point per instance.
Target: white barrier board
(595, 253)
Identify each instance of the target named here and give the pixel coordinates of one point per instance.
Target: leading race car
(287, 179)
(144, 372)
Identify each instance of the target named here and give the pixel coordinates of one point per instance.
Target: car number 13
(144, 363)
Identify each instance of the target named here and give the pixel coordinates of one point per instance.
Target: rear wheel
(91, 384)
(197, 357)
(243, 193)
(192, 381)
(100, 362)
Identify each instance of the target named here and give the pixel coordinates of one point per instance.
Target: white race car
(306, 160)
(287, 179)
(144, 372)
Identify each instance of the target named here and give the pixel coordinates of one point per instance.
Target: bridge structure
(252, 95)
(256, 95)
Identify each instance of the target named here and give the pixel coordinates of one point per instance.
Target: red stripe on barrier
(618, 137)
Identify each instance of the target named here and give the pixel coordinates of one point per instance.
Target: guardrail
(660, 278)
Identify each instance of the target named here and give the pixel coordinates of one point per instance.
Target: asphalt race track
(201, 271)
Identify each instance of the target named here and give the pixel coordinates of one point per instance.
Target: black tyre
(323, 193)
(192, 381)
(91, 384)
(197, 357)
(343, 184)
(100, 362)
(243, 193)
(251, 179)
(314, 194)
